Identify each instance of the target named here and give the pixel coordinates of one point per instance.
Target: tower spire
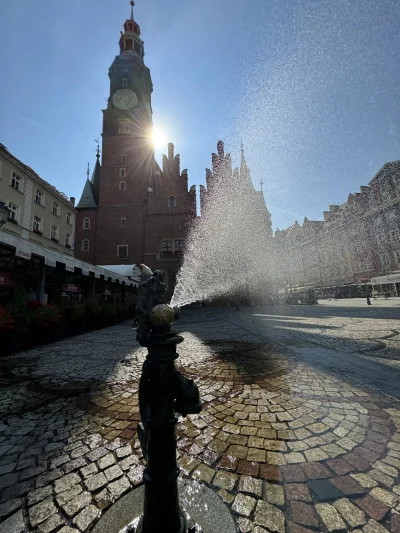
(132, 4)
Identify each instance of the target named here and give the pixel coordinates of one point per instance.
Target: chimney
(170, 151)
(72, 200)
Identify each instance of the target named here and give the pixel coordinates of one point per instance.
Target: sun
(158, 137)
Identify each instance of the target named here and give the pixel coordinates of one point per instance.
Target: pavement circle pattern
(289, 448)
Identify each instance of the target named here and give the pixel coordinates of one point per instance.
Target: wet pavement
(300, 429)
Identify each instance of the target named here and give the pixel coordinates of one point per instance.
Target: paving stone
(13, 524)
(16, 490)
(103, 499)
(49, 477)
(106, 461)
(348, 486)
(66, 482)
(384, 496)
(297, 491)
(244, 504)
(330, 517)
(86, 517)
(316, 471)
(225, 480)
(373, 508)
(340, 466)
(250, 485)
(274, 494)
(297, 528)
(269, 516)
(41, 512)
(9, 507)
(323, 490)
(303, 514)
(352, 514)
(68, 495)
(72, 507)
(270, 473)
(364, 480)
(96, 481)
(226, 496)
(117, 488)
(374, 527)
(293, 473)
(74, 465)
(88, 470)
(113, 472)
(135, 475)
(54, 522)
(245, 525)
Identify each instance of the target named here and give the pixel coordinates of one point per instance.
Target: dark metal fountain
(163, 392)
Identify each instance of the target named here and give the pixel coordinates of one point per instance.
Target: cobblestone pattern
(288, 448)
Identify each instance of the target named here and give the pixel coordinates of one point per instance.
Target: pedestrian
(369, 296)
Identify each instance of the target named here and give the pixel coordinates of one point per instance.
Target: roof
(88, 197)
(122, 270)
(36, 176)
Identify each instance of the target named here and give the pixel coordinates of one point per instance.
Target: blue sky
(311, 87)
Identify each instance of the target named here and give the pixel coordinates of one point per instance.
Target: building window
(179, 245)
(166, 246)
(397, 256)
(122, 250)
(385, 259)
(39, 197)
(122, 172)
(123, 158)
(68, 240)
(171, 201)
(13, 216)
(37, 224)
(122, 186)
(69, 218)
(394, 235)
(86, 223)
(137, 47)
(125, 82)
(56, 209)
(380, 237)
(85, 245)
(54, 233)
(16, 182)
(123, 223)
(128, 44)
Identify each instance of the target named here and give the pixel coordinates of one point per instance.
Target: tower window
(171, 201)
(137, 47)
(85, 245)
(122, 185)
(122, 250)
(125, 82)
(128, 44)
(122, 172)
(166, 246)
(124, 127)
(123, 223)
(86, 223)
(123, 158)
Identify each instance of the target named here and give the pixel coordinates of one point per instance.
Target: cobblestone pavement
(287, 439)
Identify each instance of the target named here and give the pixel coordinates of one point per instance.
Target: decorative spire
(132, 4)
(88, 171)
(97, 148)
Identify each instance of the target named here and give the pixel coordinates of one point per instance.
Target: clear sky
(311, 87)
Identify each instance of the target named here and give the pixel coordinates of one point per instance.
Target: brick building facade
(357, 241)
(132, 211)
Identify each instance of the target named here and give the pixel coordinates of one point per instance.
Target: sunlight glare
(158, 138)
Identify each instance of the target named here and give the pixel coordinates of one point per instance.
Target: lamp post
(4, 214)
(163, 392)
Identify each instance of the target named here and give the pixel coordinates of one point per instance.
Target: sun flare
(158, 137)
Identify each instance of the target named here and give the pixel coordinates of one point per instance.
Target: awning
(25, 249)
(386, 280)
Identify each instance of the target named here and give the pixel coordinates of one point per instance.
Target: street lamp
(4, 213)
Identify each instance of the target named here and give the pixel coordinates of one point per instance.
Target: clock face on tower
(125, 99)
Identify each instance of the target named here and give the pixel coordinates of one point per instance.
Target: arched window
(86, 223)
(171, 201)
(122, 186)
(85, 245)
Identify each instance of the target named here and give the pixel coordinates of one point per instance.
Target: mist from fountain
(227, 248)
